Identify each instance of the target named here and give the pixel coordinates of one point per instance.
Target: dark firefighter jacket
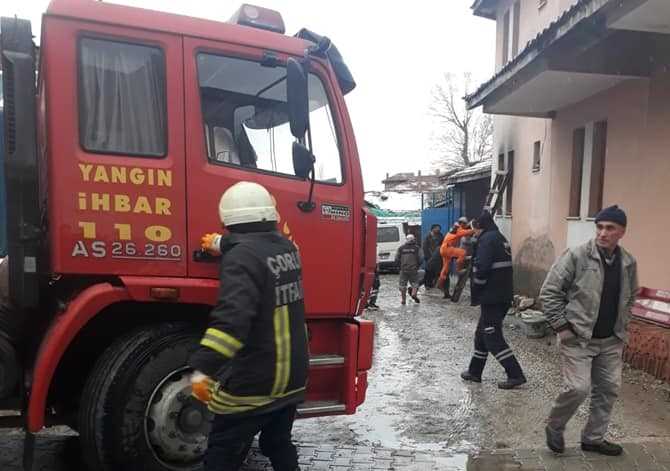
(255, 346)
(491, 281)
(408, 257)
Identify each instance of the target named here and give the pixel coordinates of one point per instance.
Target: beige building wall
(637, 177)
(637, 166)
(528, 227)
(533, 19)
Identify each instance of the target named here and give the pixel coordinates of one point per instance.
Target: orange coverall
(449, 250)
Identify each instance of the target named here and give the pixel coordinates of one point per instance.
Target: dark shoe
(604, 448)
(555, 440)
(467, 376)
(511, 383)
(446, 296)
(416, 299)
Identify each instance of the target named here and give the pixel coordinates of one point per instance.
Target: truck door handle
(201, 256)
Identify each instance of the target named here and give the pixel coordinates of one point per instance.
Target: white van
(390, 236)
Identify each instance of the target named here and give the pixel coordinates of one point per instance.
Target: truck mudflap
(366, 336)
(24, 231)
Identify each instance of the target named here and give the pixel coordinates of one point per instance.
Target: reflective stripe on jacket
(255, 346)
(491, 281)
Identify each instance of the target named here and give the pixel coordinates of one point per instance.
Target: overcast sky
(397, 52)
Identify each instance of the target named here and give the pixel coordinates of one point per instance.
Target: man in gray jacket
(587, 298)
(408, 259)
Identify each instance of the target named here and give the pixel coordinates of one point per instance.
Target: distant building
(413, 183)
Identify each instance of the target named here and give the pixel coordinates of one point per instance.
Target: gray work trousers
(589, 367)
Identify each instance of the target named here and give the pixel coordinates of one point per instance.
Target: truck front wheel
(136, 410)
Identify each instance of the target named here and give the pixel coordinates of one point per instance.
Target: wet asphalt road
(416, 400)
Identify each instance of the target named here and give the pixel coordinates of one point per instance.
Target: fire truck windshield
(246, 123)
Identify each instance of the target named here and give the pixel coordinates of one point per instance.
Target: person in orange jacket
(450, 249)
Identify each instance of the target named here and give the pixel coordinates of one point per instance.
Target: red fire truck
(120, 137)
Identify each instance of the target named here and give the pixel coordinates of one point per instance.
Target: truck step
(320, 407)
(326, 360)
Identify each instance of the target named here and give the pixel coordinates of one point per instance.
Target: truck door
(116, 144)
(237, 130)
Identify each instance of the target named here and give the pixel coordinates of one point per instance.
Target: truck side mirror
(296, 95)
(303, 160)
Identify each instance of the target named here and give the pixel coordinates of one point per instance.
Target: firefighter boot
(467, 376)
(511, 383)
(476, 367)
(403, 296)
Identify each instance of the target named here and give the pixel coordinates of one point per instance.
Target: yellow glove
(211, 243)
(200, 386)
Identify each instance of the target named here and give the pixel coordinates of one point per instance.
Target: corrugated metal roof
(580, 11)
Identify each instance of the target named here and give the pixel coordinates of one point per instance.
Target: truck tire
(136, 410)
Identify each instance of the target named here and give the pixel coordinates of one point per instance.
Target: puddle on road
(394, 410)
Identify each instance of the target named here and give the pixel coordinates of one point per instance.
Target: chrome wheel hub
(177, 424)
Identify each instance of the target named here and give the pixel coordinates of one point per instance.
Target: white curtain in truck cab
(122, 98)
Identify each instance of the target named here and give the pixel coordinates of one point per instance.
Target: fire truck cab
(121, 134)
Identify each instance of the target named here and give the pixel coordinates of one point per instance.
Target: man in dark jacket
(491, 287)
(374, 292)
(253, 358)
(409, 259)
(431, 243)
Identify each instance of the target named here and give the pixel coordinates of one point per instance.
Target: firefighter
(252, 362)
(374, 292)
(409, 259)
(450, 250)
(491, 287)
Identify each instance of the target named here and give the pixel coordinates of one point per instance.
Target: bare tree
(465, 137)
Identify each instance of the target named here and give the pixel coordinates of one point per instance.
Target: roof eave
(484, 9)
(535, 49)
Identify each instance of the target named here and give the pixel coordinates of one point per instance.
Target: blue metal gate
(446, 214)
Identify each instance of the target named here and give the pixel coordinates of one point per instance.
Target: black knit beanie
(612, 214)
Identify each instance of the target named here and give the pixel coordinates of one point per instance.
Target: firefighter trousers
(231, 438)
(489, 339)
(447, 254)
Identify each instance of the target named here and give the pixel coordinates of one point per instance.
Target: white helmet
(246, 202)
